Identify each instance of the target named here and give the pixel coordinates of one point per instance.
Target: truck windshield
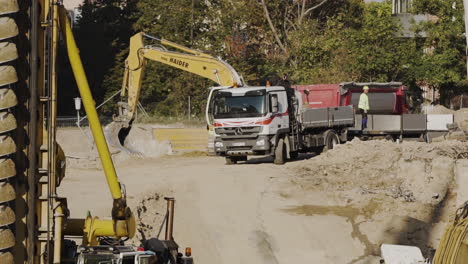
(239, 106)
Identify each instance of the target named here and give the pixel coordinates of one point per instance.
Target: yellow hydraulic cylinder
(95, 227)
(59, 216)
(90, 108)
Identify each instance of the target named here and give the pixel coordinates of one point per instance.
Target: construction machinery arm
(189, 60)
(122, 223)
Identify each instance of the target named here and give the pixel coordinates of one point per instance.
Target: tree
(443, 65)
(104, 31)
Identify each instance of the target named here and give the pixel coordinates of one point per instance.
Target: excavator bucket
(116, 133)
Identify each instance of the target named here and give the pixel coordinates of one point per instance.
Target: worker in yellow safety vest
(364, 106)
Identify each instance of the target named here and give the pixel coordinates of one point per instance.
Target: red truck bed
(384, 98)
(320, 95)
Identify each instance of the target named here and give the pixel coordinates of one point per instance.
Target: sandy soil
(334, 208)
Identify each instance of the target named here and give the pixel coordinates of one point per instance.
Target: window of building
(401, 6)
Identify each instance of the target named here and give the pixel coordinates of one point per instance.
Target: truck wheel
(241, 158)
(331, 140)
(317, 150)
(231, 160)
(294, 155)
(280, 153)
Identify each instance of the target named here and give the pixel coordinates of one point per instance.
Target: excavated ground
(334, 208)
(390, 193)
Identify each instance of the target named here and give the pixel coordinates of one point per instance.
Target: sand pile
(78, 146)
(411, 171)
(140, 139)
(150, 212)
(391, 193)
(80, 150)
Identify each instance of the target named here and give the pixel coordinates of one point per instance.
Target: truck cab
(248, 120)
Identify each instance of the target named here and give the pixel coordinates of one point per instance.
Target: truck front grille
(238, 131)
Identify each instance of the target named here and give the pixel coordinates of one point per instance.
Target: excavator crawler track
(8, 102)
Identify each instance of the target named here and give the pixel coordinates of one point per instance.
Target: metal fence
(71, 121)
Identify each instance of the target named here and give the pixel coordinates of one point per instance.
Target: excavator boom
(192, 61)
(189, 60)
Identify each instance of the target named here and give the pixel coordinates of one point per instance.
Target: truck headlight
(260, 142)
(218, 144)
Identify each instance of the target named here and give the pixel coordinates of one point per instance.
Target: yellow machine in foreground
(453, 247)
(35, 226)
(189, 60)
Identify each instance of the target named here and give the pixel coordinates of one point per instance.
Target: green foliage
(343, 40)
(104, 31)
(443, 65)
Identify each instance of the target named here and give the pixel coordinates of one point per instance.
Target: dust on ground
(78, 145)
(338, 207)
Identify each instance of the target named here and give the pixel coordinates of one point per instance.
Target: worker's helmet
(365, 87)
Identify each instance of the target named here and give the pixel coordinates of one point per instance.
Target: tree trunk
(273, 29)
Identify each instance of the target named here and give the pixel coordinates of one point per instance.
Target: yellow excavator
(35, 224)
(186, 59)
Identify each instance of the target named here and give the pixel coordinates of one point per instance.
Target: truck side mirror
(274, 103)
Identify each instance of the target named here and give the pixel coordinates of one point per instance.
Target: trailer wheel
(317, 150)
(280, 152)
(331, 140)
(231, 160)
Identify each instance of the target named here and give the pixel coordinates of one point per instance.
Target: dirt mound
(411, 171)
(78, 146)
(150, 216)
(141, 140)
(80, 150)
(394, 192)
(150, 212)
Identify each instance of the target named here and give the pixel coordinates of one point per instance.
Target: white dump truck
(273, 120)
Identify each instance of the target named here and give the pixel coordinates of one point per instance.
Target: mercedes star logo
(239, 131)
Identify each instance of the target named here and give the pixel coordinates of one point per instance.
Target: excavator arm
(191, 60)
(123, 222)
(186, 59)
